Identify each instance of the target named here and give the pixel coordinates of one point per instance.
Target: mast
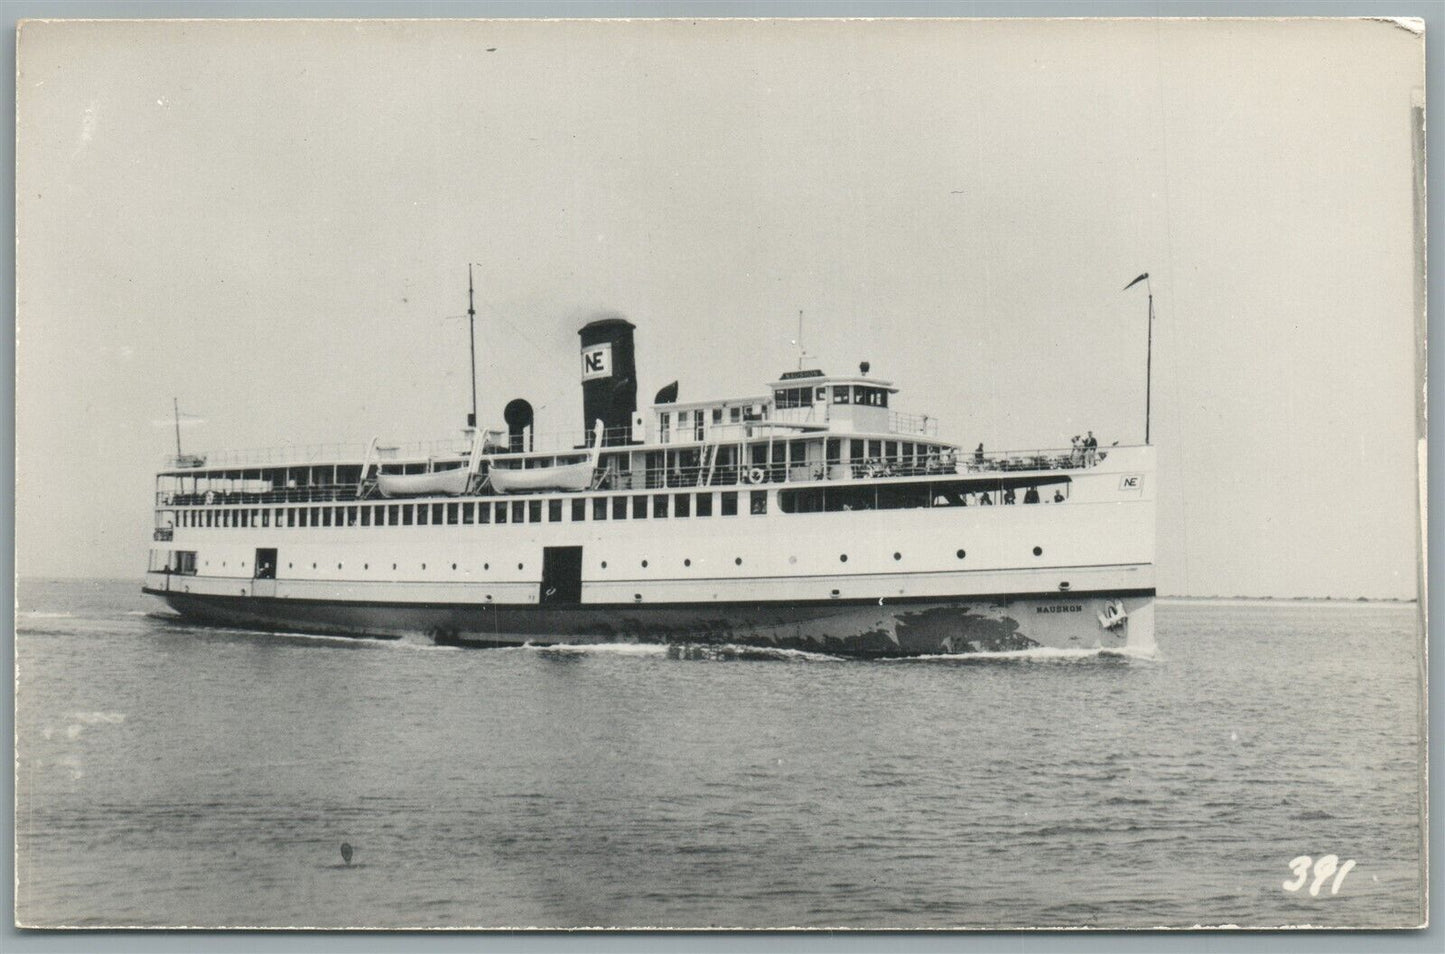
(176, 404)
(801, 350)
(472, 339)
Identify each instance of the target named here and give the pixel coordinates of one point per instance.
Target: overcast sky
(273, 222)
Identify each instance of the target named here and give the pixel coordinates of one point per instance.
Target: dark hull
(929, 626)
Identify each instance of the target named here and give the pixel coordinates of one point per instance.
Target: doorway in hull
(561, 575)
(264, 581)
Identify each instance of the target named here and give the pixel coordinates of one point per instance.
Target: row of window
(184, 562)
(577, 509)
(875, 496)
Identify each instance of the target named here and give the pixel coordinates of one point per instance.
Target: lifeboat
(451, 483)
(573, 477)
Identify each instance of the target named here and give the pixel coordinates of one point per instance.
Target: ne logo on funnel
(597, 361)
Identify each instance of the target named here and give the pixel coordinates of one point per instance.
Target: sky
(272, 221)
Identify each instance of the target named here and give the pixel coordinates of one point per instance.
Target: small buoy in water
(346, 852)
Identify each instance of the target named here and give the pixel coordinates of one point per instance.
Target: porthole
(454, 566)
(687, 562)
(1038, 551)
(842, 558)
(792, 559)
(423, 566)
(313, 566)
(738, 561)
(961, 554)
(897, 556)
(644, 564)
(637, 596)
(366, 566)
(604, 564)
(393, 566)
(486, 566)
(338, 566)
(834, 593)
(519, 566)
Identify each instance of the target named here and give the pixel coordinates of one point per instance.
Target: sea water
(172, 774)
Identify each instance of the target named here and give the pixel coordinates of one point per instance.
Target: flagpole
(176, 403)
(1149, 362)
(1149, 354)
(472, 340)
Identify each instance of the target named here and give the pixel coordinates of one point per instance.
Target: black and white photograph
(875, 474)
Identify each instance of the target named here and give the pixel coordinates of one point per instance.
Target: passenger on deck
(1091, 450)
(1008, 496)
(984, 500)
(1058, 496)
(1031, 495)
(978, 455)
(1076, 453)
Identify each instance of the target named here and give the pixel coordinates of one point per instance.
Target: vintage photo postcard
(716, 474)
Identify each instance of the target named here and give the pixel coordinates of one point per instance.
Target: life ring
(756, 476)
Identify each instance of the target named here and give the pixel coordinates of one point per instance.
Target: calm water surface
(176, 775)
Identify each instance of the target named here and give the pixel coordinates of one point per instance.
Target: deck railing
(679, 477)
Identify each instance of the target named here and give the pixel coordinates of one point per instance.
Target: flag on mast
(1136, 281)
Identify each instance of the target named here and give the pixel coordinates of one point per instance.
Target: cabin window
(452, 512)
(659, 505)
(704, 505)
(517, 508)
(639, 508)
(717, 415)
(758, 501)
(351, 516)
(890, 450)
(599, 508)
(407, 515)
(729, 503)
(680, 505)
(840, 394)
(579, 510)
(186, 562)
(855, 450)
(436, 513)
(366, 516)
(534, 511)
(735, 414)
(619, 508)
(291, 517)
(501, 512)
(421, 515)
(554, 511)
(208, 518)
(484, 513)
(393, 514)
(469, 512)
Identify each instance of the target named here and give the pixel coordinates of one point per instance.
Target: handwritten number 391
(1327, 865)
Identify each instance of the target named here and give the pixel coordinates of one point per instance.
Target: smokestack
(609, 378)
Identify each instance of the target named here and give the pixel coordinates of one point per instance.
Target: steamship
(814, 516)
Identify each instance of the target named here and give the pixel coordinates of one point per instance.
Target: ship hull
(869, 628)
